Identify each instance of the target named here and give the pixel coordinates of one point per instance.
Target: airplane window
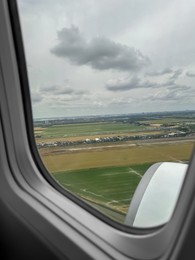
(112, 91)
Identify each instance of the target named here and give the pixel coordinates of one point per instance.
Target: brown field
(39, 128)
(38, 132)
(156, 125)
(114, 155)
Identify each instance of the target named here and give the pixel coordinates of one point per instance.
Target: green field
(111, 187)
(89, 129)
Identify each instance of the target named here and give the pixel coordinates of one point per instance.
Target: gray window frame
(54, 217)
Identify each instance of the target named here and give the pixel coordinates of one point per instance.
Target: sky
(91, 57)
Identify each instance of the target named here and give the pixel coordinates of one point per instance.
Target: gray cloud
(165, 95)
(190, 74)
(36, 97)
(81, 92)
(178, 87)
(56, 89)
(180, 92)
(125, 84)
(100, 53)
(61, 93)
(160, 73)
(58, 94)
(176, 74)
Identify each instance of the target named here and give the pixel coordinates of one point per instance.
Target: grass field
(76, 159)
(100, 128)
(88, 129)
(111, 187)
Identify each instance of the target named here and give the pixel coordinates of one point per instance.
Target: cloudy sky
(91, 57)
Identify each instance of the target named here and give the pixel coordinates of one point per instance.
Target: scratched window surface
(112, 89)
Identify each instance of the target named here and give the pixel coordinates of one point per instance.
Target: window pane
(112, 88)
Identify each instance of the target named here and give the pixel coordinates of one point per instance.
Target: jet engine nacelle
(156, 195)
